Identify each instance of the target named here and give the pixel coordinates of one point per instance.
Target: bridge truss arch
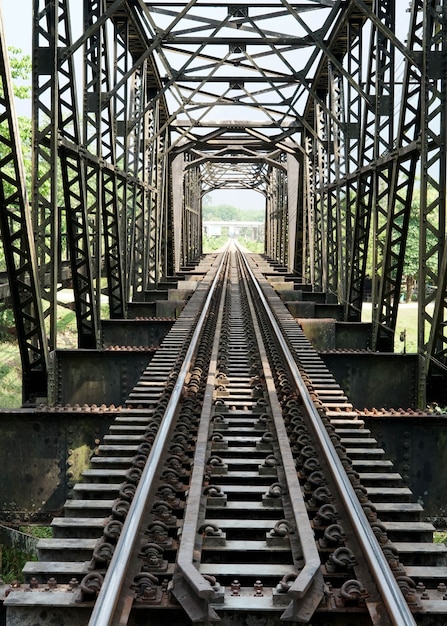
(334, 110)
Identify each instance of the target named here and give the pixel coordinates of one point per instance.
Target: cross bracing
(333, 110)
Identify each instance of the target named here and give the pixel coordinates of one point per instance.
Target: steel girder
(18, 243)
(433, 245)
(45, 205)
(314, 82)
(106, 177)
(57, 171)
(191, 245)
(360, 186)
(277, 223)
(99, 139)
(380, 186)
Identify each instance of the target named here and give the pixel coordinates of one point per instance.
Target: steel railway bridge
(335, 111)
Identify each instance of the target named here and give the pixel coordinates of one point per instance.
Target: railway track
(236, 485)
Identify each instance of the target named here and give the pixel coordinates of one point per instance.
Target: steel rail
(309, 577)
(311, 572)
(106, 604)
(398, 609)
(185, 556)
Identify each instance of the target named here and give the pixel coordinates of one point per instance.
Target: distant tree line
(229, 213)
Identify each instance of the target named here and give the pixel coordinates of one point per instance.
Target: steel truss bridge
(334, 110)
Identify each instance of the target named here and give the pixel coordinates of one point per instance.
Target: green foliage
(12, 563)
(20, 65)
(211, 244)
(257, 247)
(67, 322)
(10, 376)
(228, 213)
(40, 532)
(21, 68)
(12, 560)
(7, 325)
(10, 363)
(411, 266)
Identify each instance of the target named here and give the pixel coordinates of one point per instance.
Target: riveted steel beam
(18, 243)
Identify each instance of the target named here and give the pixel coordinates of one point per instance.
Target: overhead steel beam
(296, 42)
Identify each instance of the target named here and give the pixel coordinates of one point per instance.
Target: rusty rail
(189, 573)
(310, 576)
(112, 590)
(398, 609)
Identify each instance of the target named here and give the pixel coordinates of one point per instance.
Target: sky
(241, 198)
(17, 20)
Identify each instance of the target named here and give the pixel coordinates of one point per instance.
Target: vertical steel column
(284, 208)
(382, 61)
(91, 139)
(362, 187)
(309, 208)
(18, 242)
(138, 185)
(160, 195)
(192, 211)
(295, 214)
(120, 131)
(153, 206)
(268, 221)
(354, 267)
(74, 187)
(165, 209)
(320, 201)
(336, 227)
(397, 209)
(298, 196)
(159, 211)
(433, 245)
(44, 199)
(99, 137)
(277, 223)
(58, 130)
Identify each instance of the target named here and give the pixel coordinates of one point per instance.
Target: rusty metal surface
(136, 332)
(96, 376)
(417, 446)
(373, 379)
(41, 455)
(329, 334)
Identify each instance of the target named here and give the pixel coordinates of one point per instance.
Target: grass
(10, 376)
(12, 559)
(10, 362)
(12, 562)
(40, 532)
(406, 323)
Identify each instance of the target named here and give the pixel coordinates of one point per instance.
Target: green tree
(20, 65)
(411, 262)
(228, 213)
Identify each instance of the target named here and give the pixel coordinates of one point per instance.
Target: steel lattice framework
(333, 110)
